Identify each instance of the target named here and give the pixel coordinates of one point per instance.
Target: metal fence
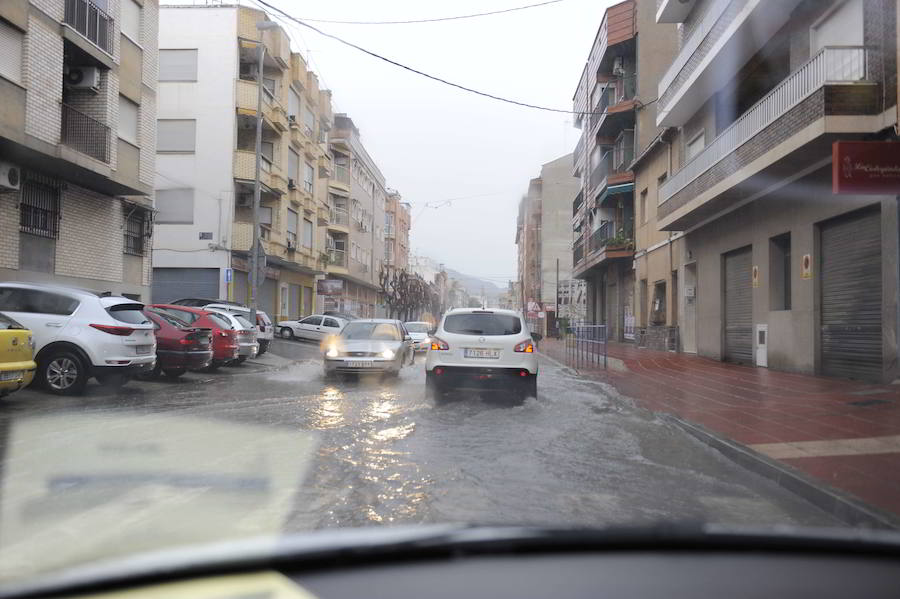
(586, 345)
(85, 134)
(91, 21)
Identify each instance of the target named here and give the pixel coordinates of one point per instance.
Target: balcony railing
(578, 251)
(340, 216)
(692, 42)
(832, 64)
(576, 204)
(609, 234)
(389, 230)
(342, 174)
(602, 170)
(89, 20)
(337, 257)
(85, 134)
(579, 148)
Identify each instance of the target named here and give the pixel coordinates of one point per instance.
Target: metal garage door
(851, 296)
(738, 311)
(294, 310)
(174, 283)
(268, 294)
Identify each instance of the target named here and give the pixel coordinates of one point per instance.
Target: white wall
(211, 101)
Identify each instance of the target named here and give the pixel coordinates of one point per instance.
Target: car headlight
(332, 352)
(388, 354)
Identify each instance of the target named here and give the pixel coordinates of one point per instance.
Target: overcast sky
(434, 142)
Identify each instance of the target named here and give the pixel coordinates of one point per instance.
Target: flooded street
(381, 452)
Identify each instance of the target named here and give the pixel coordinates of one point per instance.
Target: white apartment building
(77, 139)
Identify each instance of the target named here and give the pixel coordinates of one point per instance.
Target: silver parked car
(369, 345)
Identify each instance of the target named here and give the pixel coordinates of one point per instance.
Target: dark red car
(179, 346)
(224, 338)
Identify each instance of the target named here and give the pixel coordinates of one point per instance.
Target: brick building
(77, 139)
(775, 268)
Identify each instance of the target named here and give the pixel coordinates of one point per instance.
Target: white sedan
(314, 328)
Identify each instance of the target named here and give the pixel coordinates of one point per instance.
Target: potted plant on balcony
(621, 241)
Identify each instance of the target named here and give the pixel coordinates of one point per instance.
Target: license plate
(360, 364)
(473, 352)
(11, 375)
(142, 350)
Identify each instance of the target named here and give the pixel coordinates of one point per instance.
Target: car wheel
(287, 333)
(113, 381)
(211, 368)
(263, 347)
(63, 373)
(149, 376)
(531, 387)
(174, 373)
(433, 389)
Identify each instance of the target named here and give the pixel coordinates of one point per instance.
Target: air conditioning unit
(83, 78)
(291, 184)
(618, 68)
(244, 200)
(10, 176)
(249, 70)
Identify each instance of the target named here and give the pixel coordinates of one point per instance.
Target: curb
(837, 503)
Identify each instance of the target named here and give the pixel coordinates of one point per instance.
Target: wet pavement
(386, 453)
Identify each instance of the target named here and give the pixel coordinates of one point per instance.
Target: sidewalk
(842, 433)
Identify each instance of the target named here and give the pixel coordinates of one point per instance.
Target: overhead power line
(422, 73)
(434, 20)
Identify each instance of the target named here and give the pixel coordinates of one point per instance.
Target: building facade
(396, 231)
(355, 238)
(544, 243)
(206, 161)
(77, 138)
(615, 99)
(788, 261)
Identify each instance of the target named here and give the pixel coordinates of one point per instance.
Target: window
(267, 149)
(136, 230)
(131, 20)
(175, 206)
(293, 103)
(177, 65)
(34, 301)
(39, 206)
(309, 175)
(842, 26)
(330, 322)
(128, 120)
(293, 221)
(312, 321)
(309, 121)
(265, 215)
(695, 146)
(307, 233)
(483, 324)
(644, 206)
(658, 307)
(293, 165)
(130, 313)
(780, 272)
(176, 135)
(269, 85)
(11, 52)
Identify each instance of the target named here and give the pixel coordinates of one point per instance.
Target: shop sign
(330, 286)
(806, 267)
(865, 167)
(755, 277)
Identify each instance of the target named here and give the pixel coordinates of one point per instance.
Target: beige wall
(656, 44)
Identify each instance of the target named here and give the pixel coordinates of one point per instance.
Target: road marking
(831, 447)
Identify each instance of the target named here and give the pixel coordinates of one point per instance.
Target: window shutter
(11, 52)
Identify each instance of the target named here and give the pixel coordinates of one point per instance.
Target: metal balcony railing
(578, 251)
(579, 148)
(576, 204)
(342, 174)
(91, 21)
(337, 257)
(602, 170)
(340, 216)
(389, 230)
(85, 134)
(831, 65)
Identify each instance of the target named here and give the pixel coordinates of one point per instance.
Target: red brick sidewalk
(843, 433)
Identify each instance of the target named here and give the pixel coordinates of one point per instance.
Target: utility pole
(556, 311)
(254, 244)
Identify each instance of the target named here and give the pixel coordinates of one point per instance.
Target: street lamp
(254, 245)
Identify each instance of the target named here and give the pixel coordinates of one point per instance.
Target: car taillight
(439, 344)
(114, 330)
(524, 347)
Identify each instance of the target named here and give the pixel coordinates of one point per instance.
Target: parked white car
(248, 346)
(475, 348)
(419, 331)
(79, 334)
(315, 328)
(265, 331)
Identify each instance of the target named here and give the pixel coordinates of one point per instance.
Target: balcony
(337, 258)
(246, 96)
(578, 252)
(389, 231)
(673, 11)
(829, 83)
(579, 150)
(270, 174)
(729, 33)
(323, 216)
(85, 134)
(610, 241)
(577, 203)
(92, 22)
(339, 218)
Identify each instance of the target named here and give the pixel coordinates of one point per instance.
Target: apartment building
(544, 241)
(616, 97)
(783, 176)
(206, 161)
(77, 139)
(355, 236)
(396, 231)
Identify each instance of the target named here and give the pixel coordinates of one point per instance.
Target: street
(384, 453)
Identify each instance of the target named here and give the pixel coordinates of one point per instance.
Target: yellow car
(17, 364)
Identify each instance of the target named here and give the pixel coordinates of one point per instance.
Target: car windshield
(568, 264)
(377, 331)
(483, 324)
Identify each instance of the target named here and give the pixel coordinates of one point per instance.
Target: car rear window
(416, 327)
(175, 322)
(221, 322)
(483, 323)
(130, 313)
(244, 322)
(380, 331)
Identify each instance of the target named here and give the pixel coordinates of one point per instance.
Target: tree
(405, 294)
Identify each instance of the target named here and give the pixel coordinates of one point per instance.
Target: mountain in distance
(474, 285)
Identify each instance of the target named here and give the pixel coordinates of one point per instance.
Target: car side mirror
(407, 338)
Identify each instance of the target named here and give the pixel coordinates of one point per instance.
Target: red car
(224, 338)
(179, 346)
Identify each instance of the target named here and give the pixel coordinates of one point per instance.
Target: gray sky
(434, 142)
